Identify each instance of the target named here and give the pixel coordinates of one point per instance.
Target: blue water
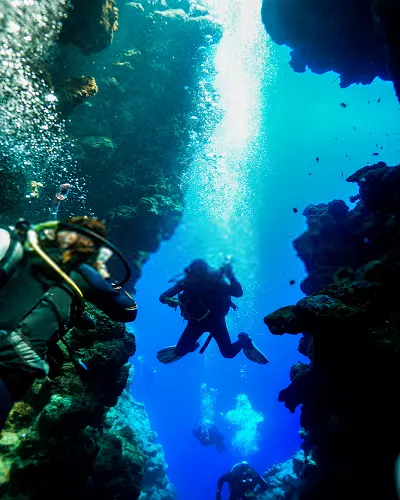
(292, 119)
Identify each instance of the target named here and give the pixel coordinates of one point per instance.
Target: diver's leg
(220, 333)
(5, 404)
(189, 337)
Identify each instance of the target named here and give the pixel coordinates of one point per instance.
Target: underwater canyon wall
(358, 39)
(132, 139)
(125, 76)
(350, 326)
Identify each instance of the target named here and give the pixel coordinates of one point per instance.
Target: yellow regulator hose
(33, 241)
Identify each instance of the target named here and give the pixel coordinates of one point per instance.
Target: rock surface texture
(56, 439)
(358, 39)
(350, 321)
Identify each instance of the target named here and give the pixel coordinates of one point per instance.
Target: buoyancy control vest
(202, 295)
(36, 307)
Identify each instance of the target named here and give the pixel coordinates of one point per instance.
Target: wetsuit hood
(197, 267)
(240, 467)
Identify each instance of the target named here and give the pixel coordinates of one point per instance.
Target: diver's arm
(171, 292)
(236, 289)
(116, 303)
(220, 485)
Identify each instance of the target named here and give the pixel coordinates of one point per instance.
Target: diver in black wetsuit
(204, 296)
(242, 479)
(38, 305)
(208, 434)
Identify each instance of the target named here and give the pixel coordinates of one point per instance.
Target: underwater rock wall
(283, 480)
(131, 139)
(350, 323)
(358, 39)
(56, 439)
(128, 420)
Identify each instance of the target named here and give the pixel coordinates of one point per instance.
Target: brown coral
(75, 91)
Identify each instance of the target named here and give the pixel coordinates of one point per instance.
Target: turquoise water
(259, 164)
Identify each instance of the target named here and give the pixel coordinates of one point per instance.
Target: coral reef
(284, 479)
(129, 422)
(75, 91)
(57, 437)
(90, 24)
(351, 323)
(356, 38)
(131, 139)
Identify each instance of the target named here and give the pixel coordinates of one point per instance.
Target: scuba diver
(204, 297)
(47, 271)
(209, 435)
(242, 481)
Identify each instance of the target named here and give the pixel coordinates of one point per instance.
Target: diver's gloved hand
(228, 271)
(174, 303)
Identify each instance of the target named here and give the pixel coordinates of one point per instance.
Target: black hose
(87, 232)
(206, 344)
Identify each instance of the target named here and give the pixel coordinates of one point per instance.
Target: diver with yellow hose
(47, 271)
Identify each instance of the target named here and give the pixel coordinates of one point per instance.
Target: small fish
(335, 138)
(370, 133)
(387, 135)
(347, 156)
(292, 282)
(375, 154)
(355, 128)
(295, 210)
(341, 176)
(343, 105)
(379, 100)
(309, 173)
(317, 159)
(369, 102)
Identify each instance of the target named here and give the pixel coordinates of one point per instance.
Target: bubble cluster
(208, 400)
(32, 136)
(245, 421)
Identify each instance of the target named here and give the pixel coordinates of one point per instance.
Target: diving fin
(167, 355)
(251, 351)
(254, 354)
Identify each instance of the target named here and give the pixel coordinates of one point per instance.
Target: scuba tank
(53, 308)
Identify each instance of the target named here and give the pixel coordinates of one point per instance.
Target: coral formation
(351, 322)
(284, 480)
(75, 91)
(128, 421)
(131, 139)
(57, 436)
(358, 38)
(90, 24)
